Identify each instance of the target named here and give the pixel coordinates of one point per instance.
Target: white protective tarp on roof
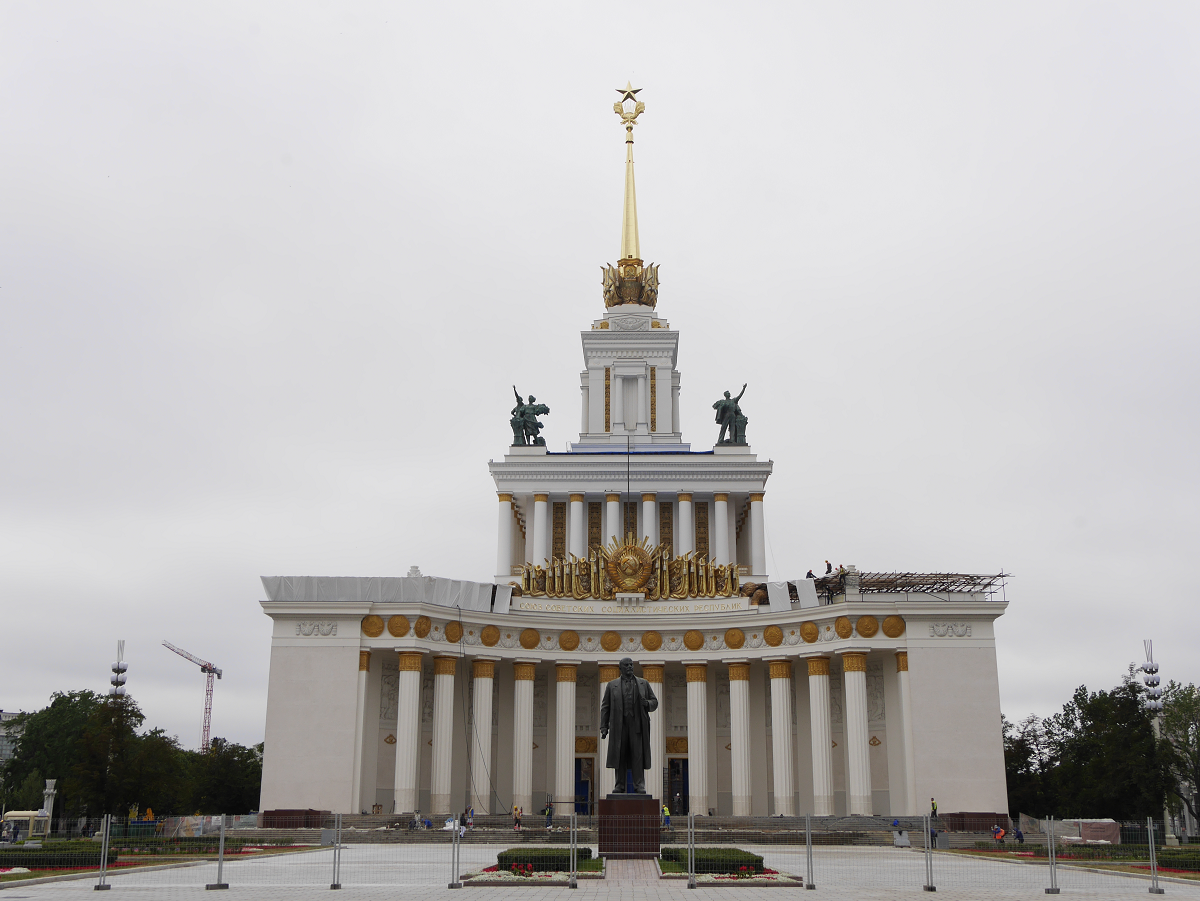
(380, 590)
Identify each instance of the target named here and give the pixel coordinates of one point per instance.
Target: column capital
(566, 672)
(541, 497)
(854, 661)
(721, 496)
(444, 666)
(653, 672)
(697, 672)
(612, 498)
(410, 661)
(576, 498)
(609, 671)
(756, 497)
(818, 666)
(780, 669)
(483, 669)
(739, 672)
(649, 496)
(504, 497)
(902, 661)
(364, 661)
(523, 672)
(685, 496)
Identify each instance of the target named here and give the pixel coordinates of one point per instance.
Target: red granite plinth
(629, 827)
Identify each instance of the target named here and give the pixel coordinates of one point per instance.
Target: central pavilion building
(859, 693)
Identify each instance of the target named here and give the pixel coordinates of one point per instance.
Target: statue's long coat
(612, 717)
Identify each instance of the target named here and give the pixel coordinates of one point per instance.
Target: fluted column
(523, 674)
(443, 734)
(685, 540)
(719, 547)
(697, 727)
(564, 738)
(822, 735)
(781, 737)
(481, 740)
(504, 535)
(649, 518)
(541, 527)
(607, 778)
(578, 530)
(364, 668)
(408, 731)
(653, 673)
(758, 536)
(643, 419)
(910, 763)
(739, 736)
(614, 518)
(618, 403)
(858, 752)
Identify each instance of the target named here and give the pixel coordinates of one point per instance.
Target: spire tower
(629, 282)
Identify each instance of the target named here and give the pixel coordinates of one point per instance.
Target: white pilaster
(739, 737)
(523, 674)
(614, 518)
(617, 403)
(606, 776)
(643, 417)
(781, 736)
(910, 763)
(858, 751)
(541, 527)
(481, 741)
(822, 735)
(360, 700)
(653, 673)
(564, 739)
(720, 529)
(675, 406)
(685, 540)
(697, 727)
(584, 426)
(504, 535)
(408, 731)
(649, 518)
(758, 536)
(443, 735)
(578, 530)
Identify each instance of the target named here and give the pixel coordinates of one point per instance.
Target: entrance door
(584, 771)
(677, 785)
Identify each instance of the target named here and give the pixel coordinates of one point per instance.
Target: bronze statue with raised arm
(731, 420)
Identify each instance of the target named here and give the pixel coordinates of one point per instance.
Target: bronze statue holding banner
(524, 421)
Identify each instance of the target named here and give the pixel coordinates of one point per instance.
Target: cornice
(562, 468)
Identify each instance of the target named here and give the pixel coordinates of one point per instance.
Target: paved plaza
(422, 871)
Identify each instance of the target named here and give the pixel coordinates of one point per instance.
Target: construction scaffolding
(835, 584)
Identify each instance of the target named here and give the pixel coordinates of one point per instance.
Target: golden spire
(629, 108)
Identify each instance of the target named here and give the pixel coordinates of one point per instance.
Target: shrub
(544, 860)
(727, 861)
(49, 859)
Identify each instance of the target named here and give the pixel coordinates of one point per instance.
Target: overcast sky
(268, 272)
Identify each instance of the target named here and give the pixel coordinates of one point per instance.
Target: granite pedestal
(629, 826)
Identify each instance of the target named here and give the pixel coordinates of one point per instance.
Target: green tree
(163, 774)
(47, 744)
(1181, 741)
(104, 776)
(1024, 766)
(228, 778)
(1102, 756)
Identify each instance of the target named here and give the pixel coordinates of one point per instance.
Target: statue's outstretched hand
(604, 733)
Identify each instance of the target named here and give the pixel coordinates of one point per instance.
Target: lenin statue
(625, 712)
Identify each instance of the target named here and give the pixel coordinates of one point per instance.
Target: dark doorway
(584, 771)
(677, 785)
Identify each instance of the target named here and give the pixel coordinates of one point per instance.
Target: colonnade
(483, 669)
(722, 547)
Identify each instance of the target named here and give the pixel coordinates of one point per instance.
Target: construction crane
(210, 670)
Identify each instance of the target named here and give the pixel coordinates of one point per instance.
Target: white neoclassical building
(853, 692)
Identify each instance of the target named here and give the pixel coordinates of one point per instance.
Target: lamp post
(1155, 705)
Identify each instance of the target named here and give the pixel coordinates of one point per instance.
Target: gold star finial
(628, 92)
(629, 108)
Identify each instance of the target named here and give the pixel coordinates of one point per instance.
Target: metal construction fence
(811, 853)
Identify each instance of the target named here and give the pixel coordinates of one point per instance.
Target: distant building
(6, 739)
(854, 692)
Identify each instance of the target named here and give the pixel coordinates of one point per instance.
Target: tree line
(93, 745)
(1099, 756)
